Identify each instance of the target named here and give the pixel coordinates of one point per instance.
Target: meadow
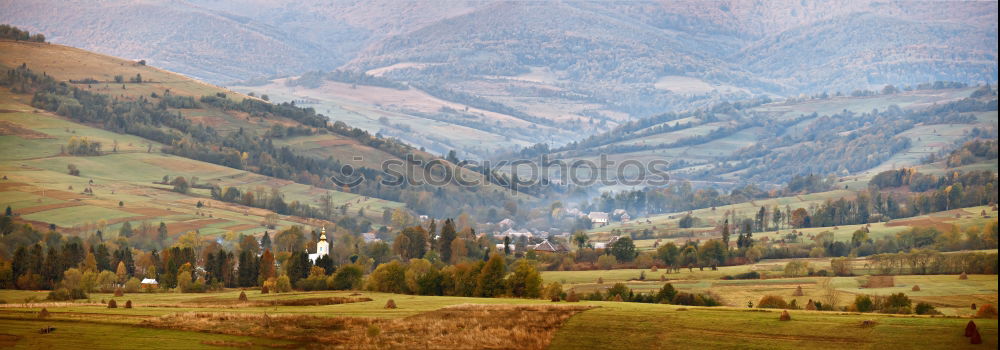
(152, 323)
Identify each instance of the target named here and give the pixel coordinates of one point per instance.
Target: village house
(605, 245)
(598, 218)
(149, 283)
(549, 247)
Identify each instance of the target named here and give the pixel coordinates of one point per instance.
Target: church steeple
(322, 234)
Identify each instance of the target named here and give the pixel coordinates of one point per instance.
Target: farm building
(549, 247)
(598, 218)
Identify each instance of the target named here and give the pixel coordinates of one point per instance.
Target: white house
(606, 245)
(322, 247)
(598, 218)
(499, 247)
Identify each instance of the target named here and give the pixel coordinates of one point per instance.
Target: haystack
(785, 316)
(112, 304)
(798, 292)
(572, 297)
(263, 290)
(44, 313)
(243, 296)
(119, 292)
(916, 288)
(128, 304)
(868, 323)
(810, 305)
(600, 280)
(970, 328)
(976, 338)
(963, 276)
(390, 304)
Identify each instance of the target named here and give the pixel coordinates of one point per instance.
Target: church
(322, 247)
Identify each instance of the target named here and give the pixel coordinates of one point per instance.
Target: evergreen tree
(448, 235)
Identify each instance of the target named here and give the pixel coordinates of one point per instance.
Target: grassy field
(644, 326)
(604, 325)
(39, 189)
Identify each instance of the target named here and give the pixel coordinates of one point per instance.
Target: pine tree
(448, 235)
(161, 233)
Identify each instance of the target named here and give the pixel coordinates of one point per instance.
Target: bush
(312, 283)
(772, 302)
(283, 284)
(618, 289)
(133, 285)
(863, 303)
(347, 277)
(553, 291)
(752, 275)
(606, 262)
(65, 294)
(925, 309)
(694, 300)
(666, 294)
(897, 303)
(986, 311)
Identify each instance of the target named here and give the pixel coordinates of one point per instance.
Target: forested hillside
(520, 73)
(206, 123)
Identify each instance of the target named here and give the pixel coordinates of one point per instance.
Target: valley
(386, 174)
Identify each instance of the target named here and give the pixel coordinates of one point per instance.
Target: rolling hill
(133, 160)
(769, 143)
(548, 71)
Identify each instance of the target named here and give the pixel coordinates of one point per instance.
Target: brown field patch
(461, 326)
(59, 194)
(8, 186)
(8, 340)
(9, 128)
(333, 142)
(939, 223)
(41, 208)
(880, 282)
(958, 301)
(215, 302)
(191, 225)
